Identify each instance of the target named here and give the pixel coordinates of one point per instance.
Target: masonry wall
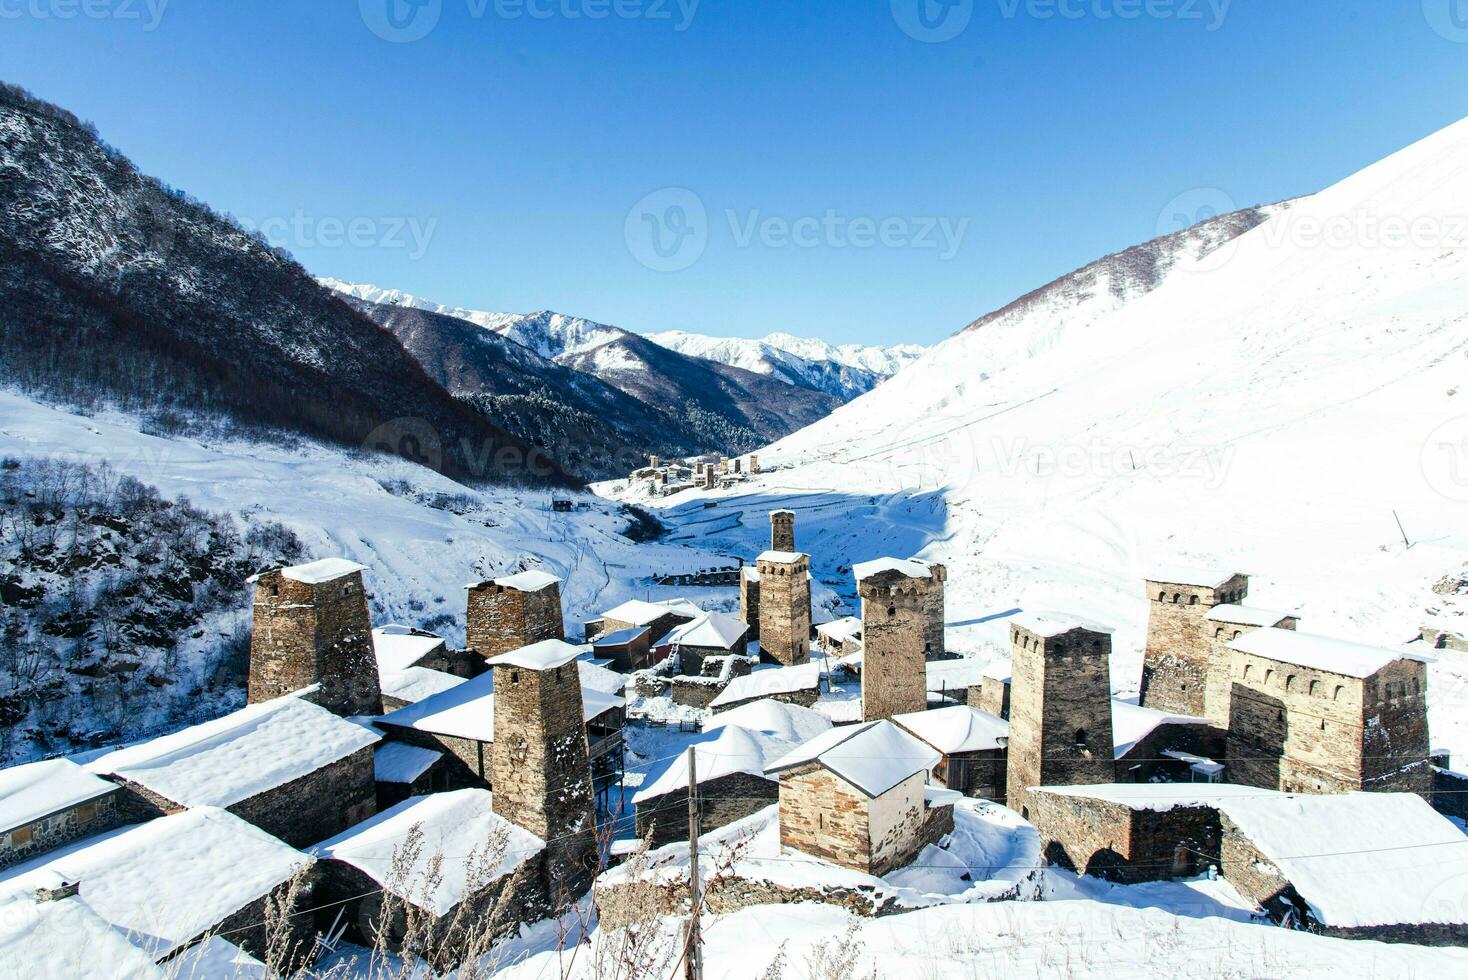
(980, 775)
(806, 698)
(895, 614)
(785, 611)
(823, 815)
(1112, 841)
(501, 619)
(896, 821)
(306, 634)
(782, 531)
(992, 696)
(720, 802)
(1219, 690)
(1144, 761)
(749, 601)
(1180, 653)
(1060, 712)
(541, 769)
(934, 615)
(26, 841)
(246, 928)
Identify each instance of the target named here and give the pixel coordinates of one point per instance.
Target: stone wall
(934, 626)
(84, 819)
(1145, 761)
(805, 698)
(824, 816)
(306, 634)
(895, 611)
(1219, 692)
(1180, 652)
(1450, 793)
(501, 619)
(981, 775)
(1060, 712)
(749, 600)
(720, 802)
(541, 770)
(782, 530)
(246, 928)
(1112, 841)
(992, 696)
(784, 612)
(632, 655)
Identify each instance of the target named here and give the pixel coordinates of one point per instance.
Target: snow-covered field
(1275, 407)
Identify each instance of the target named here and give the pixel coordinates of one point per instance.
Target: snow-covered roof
(417, 683)
(169, 880)
(531, 581)
(599, 678)
(39, 789)
(1207, 578)
(750, 572)
(723, 753)
(399, 762)
(325, 570)
(681, 606)
(244, 753)
(790, 722)
(1159, 796)
(718, 630)
(956, 729)
(545, 655)
(1320, 652)
(640, 613)
(769, 681)
(873, 757)
(457, 828)
(400, 647)
(841, 630)
(1049, 624)
(952, 675)
(781, 557)
(64, 939)
(910, 567)
(619, 637)
(1361, 859)
(1247, 615)
(1130, 723)
(467, 711)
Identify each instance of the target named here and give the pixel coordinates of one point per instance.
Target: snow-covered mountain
(849, 370)
(1271, 401)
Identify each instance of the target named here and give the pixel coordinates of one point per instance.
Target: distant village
(1296, 767)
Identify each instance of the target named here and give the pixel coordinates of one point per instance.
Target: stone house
(896, 609)
(732, 785)
(858, 797)
(1316, 714)
(44, 805)
(628, 649)
(840, 637)
(793, 685)
(711, 635)
(784, 607)
(290, 767)
(1181, 657)
(658, 618)
(490, 875)
(311, 630)
(514, 611)
(1060, 720)
(167, 883)
(972, 744)
(402, 770)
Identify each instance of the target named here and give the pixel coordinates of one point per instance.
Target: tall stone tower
(784, 607)
(749, 599)
(934, 612)
(1059, 705)
(782, 530)
(540, 766)
(513, 612)
(1182, 661)
(895, 602)
(311, 626)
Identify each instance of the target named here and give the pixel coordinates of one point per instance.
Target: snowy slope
(1267, 406)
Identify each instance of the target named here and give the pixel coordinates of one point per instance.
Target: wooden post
(693, 951)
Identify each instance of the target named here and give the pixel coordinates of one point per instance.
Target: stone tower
(937, 647)
(539, 761)
(513, 612)
(1059, 705)
(782, 530)
(311, 626)
(1181, 657)
(749, 599)
(784, 607)
(895, 603)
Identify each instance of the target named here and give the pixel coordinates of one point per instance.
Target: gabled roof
(399, 762)
(910, 567)
(417, 683)
(873, 757)
(619, 637)
(1050, 624)
(400, 647)
(725, 752)
(1320, 652)
(841, 630)
(640, 613)
(65, 939)
(242, 754)
(952, 675)
(467, 711)
(769, 681)
(715, 629)
(39, 789)
(790, 722)
(545, 655)
(957, 729)
(1247, 615)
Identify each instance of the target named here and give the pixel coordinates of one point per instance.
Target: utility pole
(693, 949)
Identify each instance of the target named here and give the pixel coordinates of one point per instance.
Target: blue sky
(841, 168)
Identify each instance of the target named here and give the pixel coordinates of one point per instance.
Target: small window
(20, 837)
(1337, 695)
(1314, 688)
(891, 611)
(514, 677)
(1248, 669)
(558, 673)
(1177, 597)
(347, 589)
(1268, 677)
(1080, 738)
(1238, 633)
(1218, 633)
(1193, 601)
(1162, 597)
(86, 813)
(1290, 683)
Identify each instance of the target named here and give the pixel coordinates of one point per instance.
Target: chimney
(57, 888)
